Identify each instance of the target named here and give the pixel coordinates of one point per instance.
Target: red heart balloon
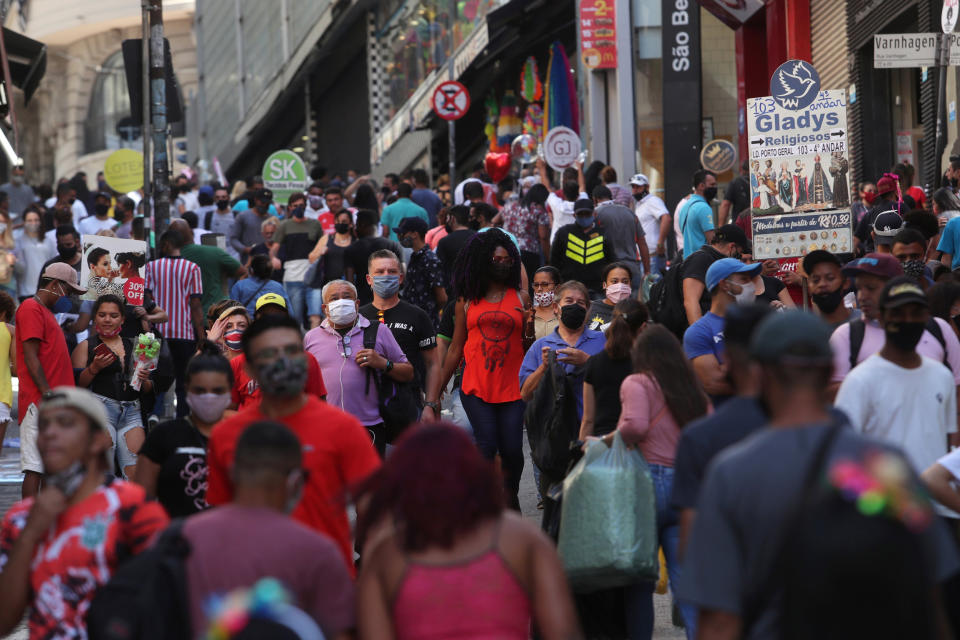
(497, 166)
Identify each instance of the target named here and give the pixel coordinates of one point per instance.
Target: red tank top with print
(493, 351)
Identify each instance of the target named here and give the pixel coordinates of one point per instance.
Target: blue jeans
(498, 428)
(639, 597)
(658, 264)
(297, 292)
(122, 416)
(314, 302)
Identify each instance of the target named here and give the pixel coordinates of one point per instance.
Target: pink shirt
(873, 339)
(645, 420)
(434, 236)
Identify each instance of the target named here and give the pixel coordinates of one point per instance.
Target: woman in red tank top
(490, 317)
(443, 559)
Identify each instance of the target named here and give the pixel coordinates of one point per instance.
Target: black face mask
(572, 316)
(474, 224)
(500, 272)
(904, 335)
(66, 253)
(101, 209)
(222, 204)
(342, 227)
(640, 196)
(828, 302)
(299, 212)
(956, 321)
(709, 193)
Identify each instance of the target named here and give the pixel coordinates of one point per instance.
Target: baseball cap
(207, 189)
(900, 291)
(819, 256)
(792, 337)
(733, 233)
(412, 223)
(103, 194)
(886, 226)
(229, 311)
(64, 273)
(583, 205)
(270, 298)
(882, 265)
(886, 184)
(640, 180)
(263, 194)
(726, 267)
(79, 399)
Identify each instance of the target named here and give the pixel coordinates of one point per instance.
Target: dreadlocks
(471, 272)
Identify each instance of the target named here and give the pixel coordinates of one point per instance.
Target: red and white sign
(598, 33)
(451, 100)
(133, 291)
(561, 148)
(904, 147)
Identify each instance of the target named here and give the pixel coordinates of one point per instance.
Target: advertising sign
(113, 266)
(598, 33)
(123, 170)
(284, 173)
(718, 156)
(904, 147)
(799, 164)
(561, 148)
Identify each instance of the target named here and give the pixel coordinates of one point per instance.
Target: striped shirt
(173, 282)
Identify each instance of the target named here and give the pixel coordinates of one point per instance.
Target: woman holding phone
(103, 363)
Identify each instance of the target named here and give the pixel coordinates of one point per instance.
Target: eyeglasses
(347, 351)
(501, 260)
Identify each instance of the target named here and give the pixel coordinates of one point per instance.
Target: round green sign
(284, 173)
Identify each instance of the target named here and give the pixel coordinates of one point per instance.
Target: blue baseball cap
(726, 267)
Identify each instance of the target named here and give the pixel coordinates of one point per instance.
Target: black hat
(733, 233)
(819, 256)
(795, 338)
(583, 205)
(263, 194)
(900, 291)
(412, 223)
(886, 226)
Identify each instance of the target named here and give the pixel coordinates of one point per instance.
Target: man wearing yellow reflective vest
(580, 250)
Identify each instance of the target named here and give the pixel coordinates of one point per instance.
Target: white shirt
(913, 409)
(649, 211)
(561, 211)
(79, 211)
(91, 225)
(676, 223)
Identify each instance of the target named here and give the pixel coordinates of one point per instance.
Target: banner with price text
(799, 171)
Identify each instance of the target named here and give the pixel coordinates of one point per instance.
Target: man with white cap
(42, 349)
(655, 220)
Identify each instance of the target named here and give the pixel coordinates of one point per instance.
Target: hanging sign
(451, 100)
(284, 173)
(598, 34)
(718, 156)
(561, 147)
(948, 15)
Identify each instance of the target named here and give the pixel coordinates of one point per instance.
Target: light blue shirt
(695, 219)
(243, 205)
(950, 242)
(590, 342)
(402, 208)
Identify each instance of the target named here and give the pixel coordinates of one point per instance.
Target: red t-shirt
(246, 391)
(80, 553)
(326, 220)
(35, 322)
(337, 452)
(790, 265)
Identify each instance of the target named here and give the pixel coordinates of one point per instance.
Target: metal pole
(943, 61)
(145, 106)
(308, 116)
(158, 113)
(451, 124)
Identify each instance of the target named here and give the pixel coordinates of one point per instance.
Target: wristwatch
(433, 405)
(389, 366)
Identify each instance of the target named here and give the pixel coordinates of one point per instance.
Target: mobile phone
(104, 350)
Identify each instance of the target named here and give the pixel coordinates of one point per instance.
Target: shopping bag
(608, 528)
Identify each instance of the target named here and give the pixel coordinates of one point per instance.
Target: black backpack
(146, 599)
(398, 402)
(551, 419)
(666, 300)
(858, 330)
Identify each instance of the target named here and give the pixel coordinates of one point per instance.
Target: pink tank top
(469, 600)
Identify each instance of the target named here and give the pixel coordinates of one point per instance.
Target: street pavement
(10, 492)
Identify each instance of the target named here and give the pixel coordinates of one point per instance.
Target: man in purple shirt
(337, 344)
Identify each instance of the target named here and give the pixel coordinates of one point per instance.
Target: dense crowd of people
(344, 382)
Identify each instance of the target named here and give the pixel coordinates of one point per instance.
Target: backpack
(398, 402)
(146, 598)
(858, 329)
(551, 419)
(666, 300)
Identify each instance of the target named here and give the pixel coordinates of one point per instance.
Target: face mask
(709, 193)
(406, 242)
(343, 228)
(17, 180)
(386, 286)
(232, 339)
(500, 272)
(261, 208)
(208, 407)
(3, 227)
(68, 480)
(748, 293)
(101, 209)
(543, 298)
(31, 227)
(316, 202)
(617, 292)
(828, 302)
(284, 376)
(299, 212)
(71, 201)
(869, 197)
(222, 205)
(66, 253)
(904, 335)
(585, 222)
(572, 316)
(342, 312)
(911, 268)
(109, 334)
(640, 196)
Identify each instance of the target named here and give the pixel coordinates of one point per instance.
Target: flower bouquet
(146, 352)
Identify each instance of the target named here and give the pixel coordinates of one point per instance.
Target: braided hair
(471, 271)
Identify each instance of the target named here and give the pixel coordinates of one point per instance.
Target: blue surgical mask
(585, 222)
(386, 286)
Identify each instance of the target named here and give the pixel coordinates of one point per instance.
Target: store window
(648, 91)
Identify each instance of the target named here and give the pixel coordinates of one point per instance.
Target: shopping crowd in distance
(313, 427)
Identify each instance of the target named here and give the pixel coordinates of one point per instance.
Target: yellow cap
(270, 298)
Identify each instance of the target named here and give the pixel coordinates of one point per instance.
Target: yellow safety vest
(585, 252)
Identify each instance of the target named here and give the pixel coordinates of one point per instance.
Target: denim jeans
(297, 292)
(658, 264)
(122, 416)
(457, 414)
(498, 428)
(640, 596)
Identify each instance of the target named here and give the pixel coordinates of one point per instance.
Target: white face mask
(342, 311)
(747, 295)
(209, 407)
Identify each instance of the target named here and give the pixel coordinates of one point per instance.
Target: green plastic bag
(608, 527)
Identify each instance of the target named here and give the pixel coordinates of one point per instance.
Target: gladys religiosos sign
(799, 166)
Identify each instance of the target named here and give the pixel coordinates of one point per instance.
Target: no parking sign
(451, 100)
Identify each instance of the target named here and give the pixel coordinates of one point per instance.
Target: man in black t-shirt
(729, 241)
(737, 196)
(450, 245)
(357, 254)
(410, 325)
